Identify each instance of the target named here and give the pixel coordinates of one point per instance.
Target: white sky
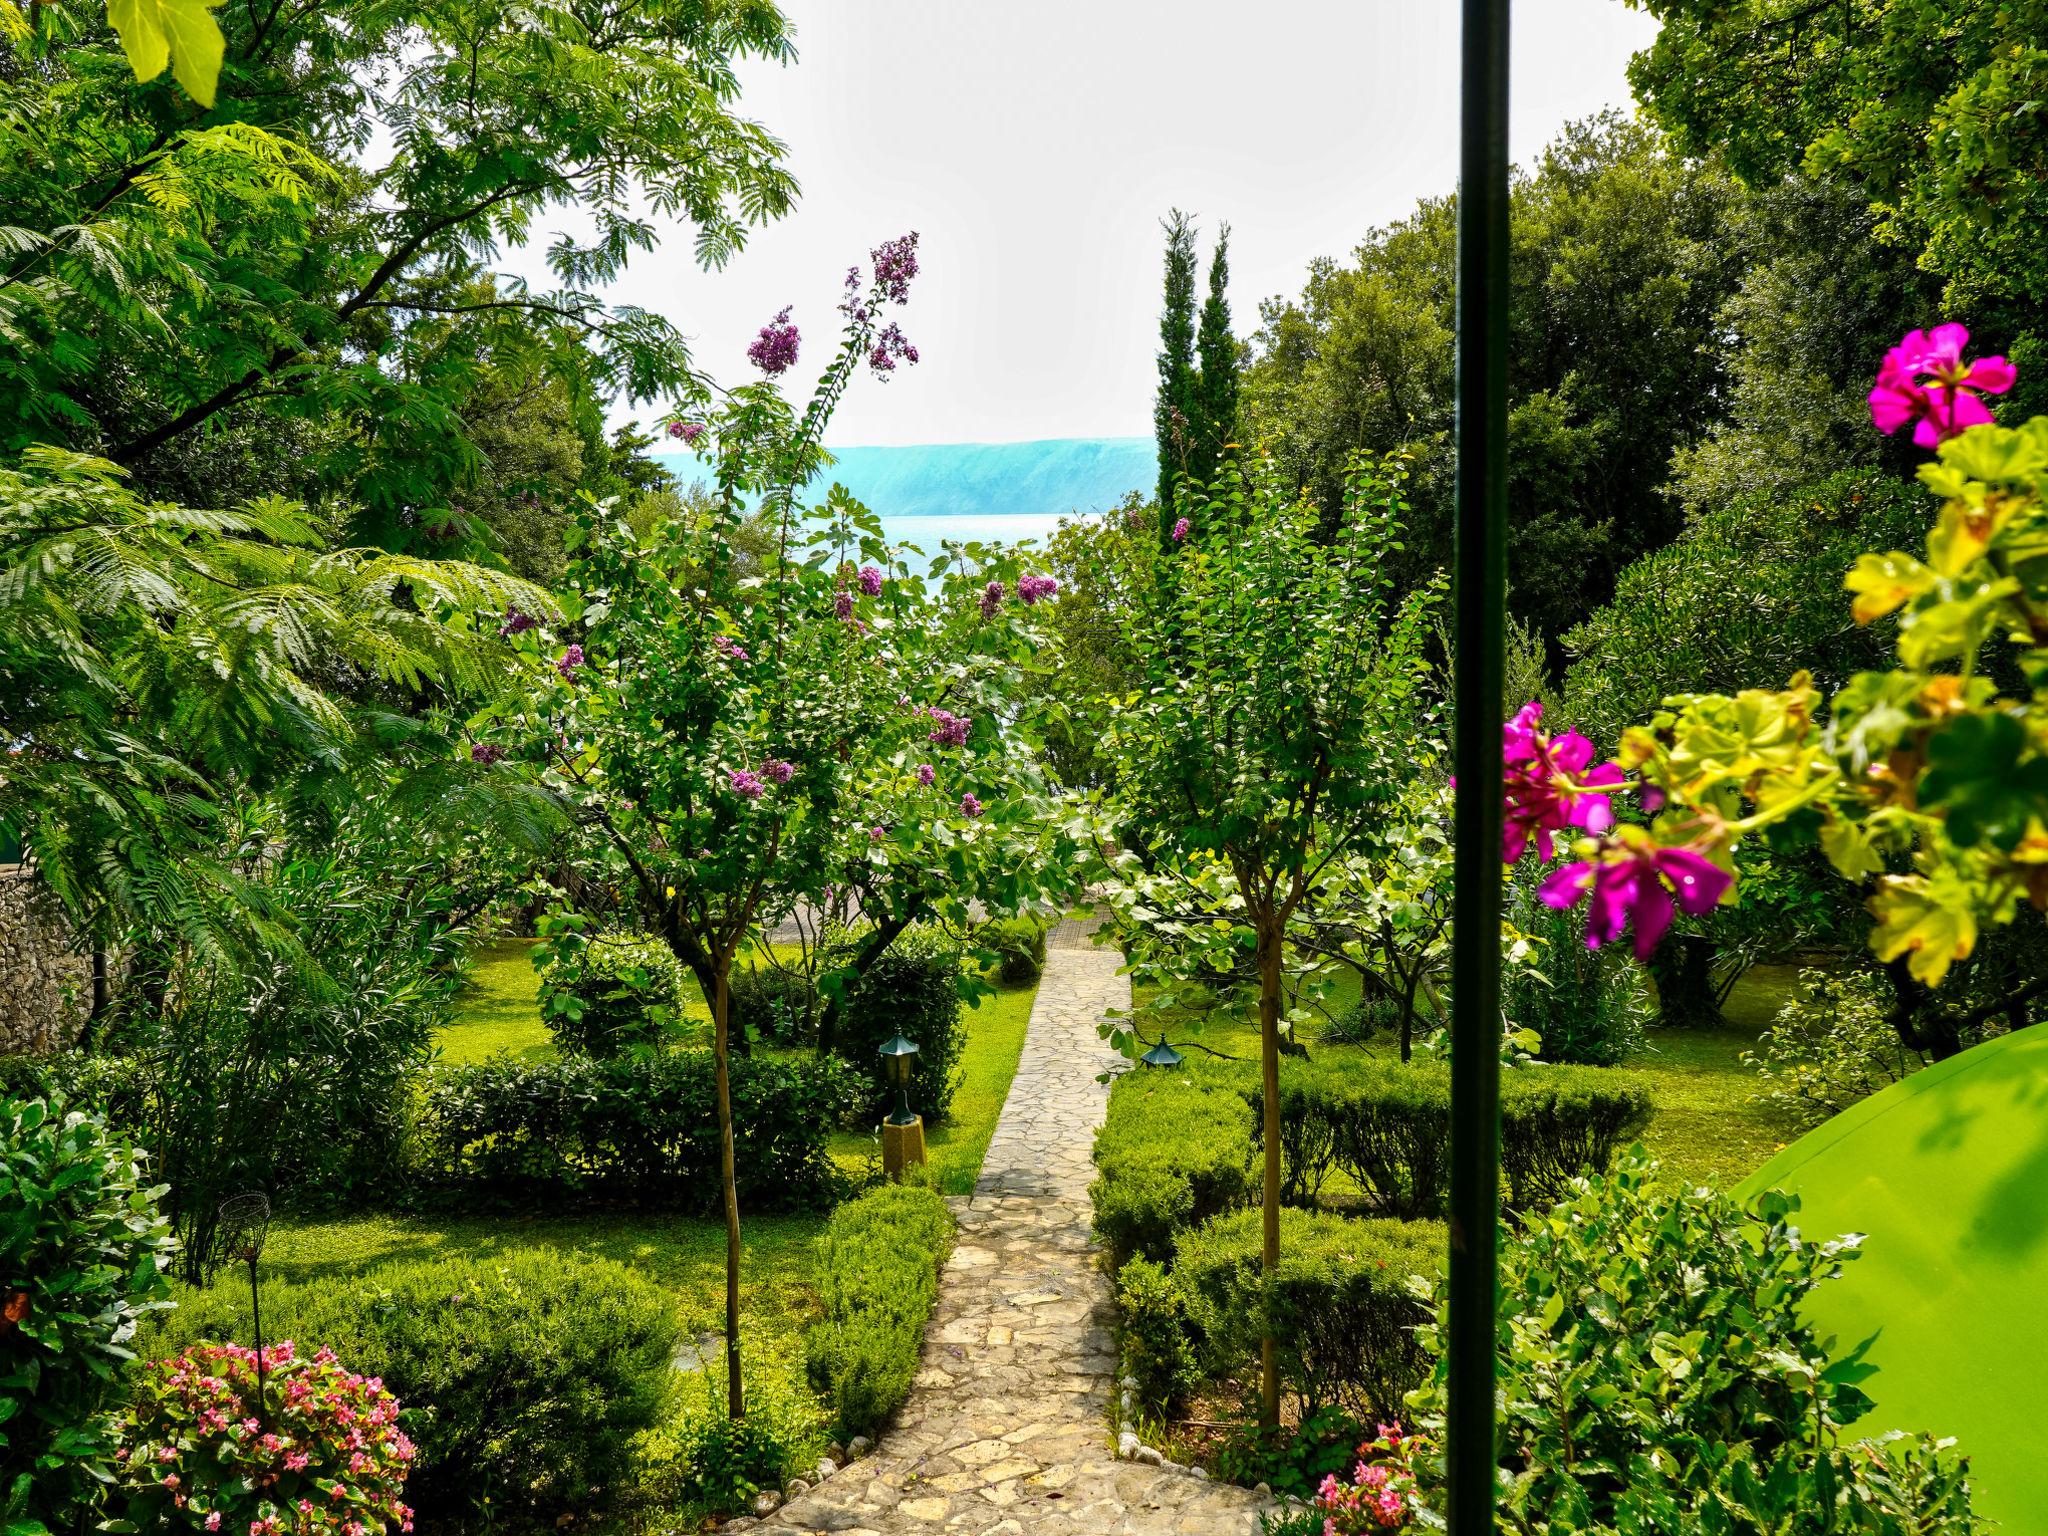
(1035, 146)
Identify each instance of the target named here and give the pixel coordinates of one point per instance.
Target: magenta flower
(991, 599)
(774, 350)
(486, 753)
(895, 265)
(926, 774)
(691, 432)
(969, 806)
(948, 729)
(744, 783)
(1180, 530)
(516, 623)
(842, 603)
(891, 347)
(1632, 880)
(729, 648)
(871, 580)
(776, 771)
(571, 658)
(876, 834)
(1547, 787)
(1924, 380)
(1031, 588)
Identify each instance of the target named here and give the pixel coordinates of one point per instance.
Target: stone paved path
(1007, 1431)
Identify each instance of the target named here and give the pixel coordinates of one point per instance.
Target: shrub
(638, 1130)
(82, 1259)
(195, 1455)
(1388, 1126)
(1019, 943)
(912, 990)
(1588, 1006)
(1172, 1152)
(699, 1461)
(528, 1372)
(611, 994)
(773, 1004)
(878, 1266)
(1340, 1305)
(1830, 1045)
(1657, 1373)
(1158, 1348)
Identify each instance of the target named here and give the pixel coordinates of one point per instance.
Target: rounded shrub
(83, 1252)
(612, 994)
(1171, 1153)
(1159, 1349)
(1340, 1305)
(699, 1461)
(1019, 946)
(773, 1004)
(878, 1273)
(525, 1374)
(912, 990)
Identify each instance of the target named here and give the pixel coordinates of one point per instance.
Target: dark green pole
(1481, 591)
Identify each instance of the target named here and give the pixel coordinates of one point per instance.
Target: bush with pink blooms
(319, 1451)
(1383, 1496)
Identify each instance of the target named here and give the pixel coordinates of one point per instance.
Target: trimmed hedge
(523, 1377)
(612, 994)
(769, 1003)
(878, 1275)
(1389, 1127)
(1019, 942)
(632, 1130)
(1339, 1305)
(1173, 1152)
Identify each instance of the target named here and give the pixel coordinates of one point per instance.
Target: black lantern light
(899, 1057)
(244, 1223)
(1162, 1055)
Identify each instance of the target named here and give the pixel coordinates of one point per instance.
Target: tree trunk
(1684, 970)
(887, 931)
(1269, 1061)
(721, 1009)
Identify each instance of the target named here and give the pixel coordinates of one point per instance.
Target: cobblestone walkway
(1007, 1431)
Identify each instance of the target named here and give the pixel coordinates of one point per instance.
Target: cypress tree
(1176, 408)
(1215, 420)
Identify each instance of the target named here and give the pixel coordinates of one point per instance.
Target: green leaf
(1978, 773)
(181, 33)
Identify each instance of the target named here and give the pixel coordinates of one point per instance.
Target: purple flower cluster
(691, 432)
(842, 603)
(1032, 588)
(486, 753)
(1180, 530)
(948, 729)
(774, 350)
(891, 347)
(925, 774)
(895, 265)
(745, 783)
(516, 623)
(969, 806)
(729, 648)
(871, 580)
(876, 834)
(571, 659)
(991, 599)
(776, 771)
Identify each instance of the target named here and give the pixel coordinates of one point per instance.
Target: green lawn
(1706, 1128)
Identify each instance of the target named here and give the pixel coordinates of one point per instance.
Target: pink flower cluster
(774, 350)
(948, 729)
(691, 432)
(1548, 786)
(745, 784)
(1382, 1495)
(1924, 380)
(991, 599)
(870, 579)
(729, 648)
(1032, 589)
(776, 771)
(571, 658)
(891, 347)
(1181, 528)
(516, 623)
(320, 1453)
(486, 753)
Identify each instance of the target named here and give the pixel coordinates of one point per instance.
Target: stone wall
(45, 984)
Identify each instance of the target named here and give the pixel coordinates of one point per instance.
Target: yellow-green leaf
(1882, 582)
(181, 33)
(1928, 921)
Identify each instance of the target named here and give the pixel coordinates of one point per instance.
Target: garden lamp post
(902, 1132)
(1162, 1055)
(1480, 585)
(244, 1223)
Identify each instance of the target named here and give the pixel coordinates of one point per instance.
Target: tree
(730, 740)
(176, 272)
(1271, 731)
(1931, 110)
(1176, 405)
(1214, 426)
(1621, 263)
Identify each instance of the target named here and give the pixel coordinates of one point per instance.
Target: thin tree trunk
(1269, 1060)
(721, 1008)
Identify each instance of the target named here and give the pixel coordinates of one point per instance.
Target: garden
(554, 993)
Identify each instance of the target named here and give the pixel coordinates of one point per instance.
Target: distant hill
(977, 480)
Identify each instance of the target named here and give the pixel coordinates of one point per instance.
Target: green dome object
(1947, 1175)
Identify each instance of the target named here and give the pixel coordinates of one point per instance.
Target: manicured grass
(500, 1008)
(685, 1255)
